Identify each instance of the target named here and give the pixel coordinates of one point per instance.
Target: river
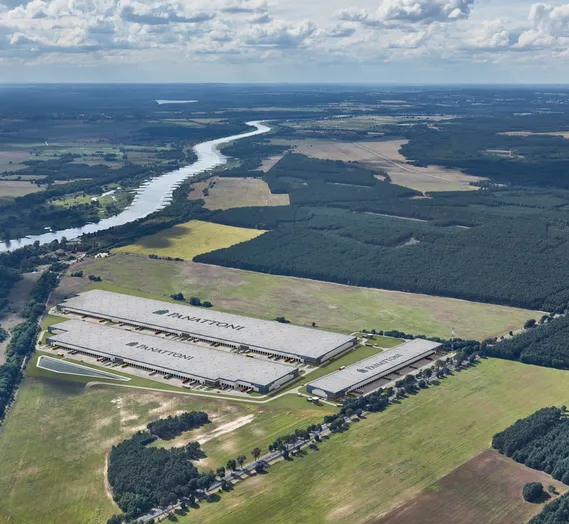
(151, 196)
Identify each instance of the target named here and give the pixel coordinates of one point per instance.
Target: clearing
(488, 488)
(190, 239)
(242, 192)
(564, 134)
(332, 306)
(68, 431)
(384, 155)
(386, 460)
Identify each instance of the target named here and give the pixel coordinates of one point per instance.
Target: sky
(379, 41)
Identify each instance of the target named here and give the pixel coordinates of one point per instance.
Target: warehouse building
(250, 334)
(372, 373)
(209, 366)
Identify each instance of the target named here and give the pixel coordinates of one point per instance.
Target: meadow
(69, 429)
(190, 239)
(388, 458)
(331, 306)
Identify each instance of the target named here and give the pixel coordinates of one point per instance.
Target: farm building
(262, 336)
(372, 373)
(181, 360)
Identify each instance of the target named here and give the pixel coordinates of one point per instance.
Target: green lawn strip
(387, 458)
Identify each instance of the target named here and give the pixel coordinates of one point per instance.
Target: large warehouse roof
(169, 355)
(380, 364)
(214, 325)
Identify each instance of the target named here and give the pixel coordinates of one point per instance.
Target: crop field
(386, 460)
(384, 155)
(17, 188)
(68, 430)
(488, 488)
(190, 239)
(302, 301)
(242, 192)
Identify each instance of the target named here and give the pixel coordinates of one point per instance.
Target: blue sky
(391, 41)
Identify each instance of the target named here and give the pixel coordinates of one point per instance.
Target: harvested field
(302, 301)
(384, 155)
(190, 239)
(488, 488)
(564, 134)
(268, 163)
(17, 188)
(242, 192)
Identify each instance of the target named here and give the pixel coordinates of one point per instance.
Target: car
(243, 390)
(60, 355)
(185, 381)
(124, 365)
(341, 367)
(152, 373)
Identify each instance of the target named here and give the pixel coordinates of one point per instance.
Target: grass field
(488, 488)
(190, 239)
(242, 192)
(385, 460)
(68, 431)
(302, 301)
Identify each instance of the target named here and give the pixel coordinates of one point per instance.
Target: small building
(371, 373)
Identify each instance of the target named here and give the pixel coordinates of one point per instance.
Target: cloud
(340, 31)
(280, 34)
(263, 18)
(395, 13)
(244, 6)
(549, 20)
(161, 15)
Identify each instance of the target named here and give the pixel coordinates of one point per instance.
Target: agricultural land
(190, 239)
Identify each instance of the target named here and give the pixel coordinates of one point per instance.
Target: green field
(190, 239)
(387, 459)
(68, 431)
(331, 306)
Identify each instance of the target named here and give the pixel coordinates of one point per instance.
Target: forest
(544, 345)
(143, 477)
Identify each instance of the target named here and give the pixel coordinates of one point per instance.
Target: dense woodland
(143, 477)
(544, 345)
(541, 441)
(344, 225)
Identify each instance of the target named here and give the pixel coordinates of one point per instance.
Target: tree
(220, 472)
(241, 460)
(530, 323)
(207, 303)
(115, 519)
(231, 464)
(195, 301)
(428, 373)
(256, 452)
(533, 491)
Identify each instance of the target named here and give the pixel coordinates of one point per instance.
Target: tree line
(23, 339)
(172, 426)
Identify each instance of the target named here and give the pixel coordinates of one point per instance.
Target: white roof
(169, 355)
(205, 322)
(375, 366)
